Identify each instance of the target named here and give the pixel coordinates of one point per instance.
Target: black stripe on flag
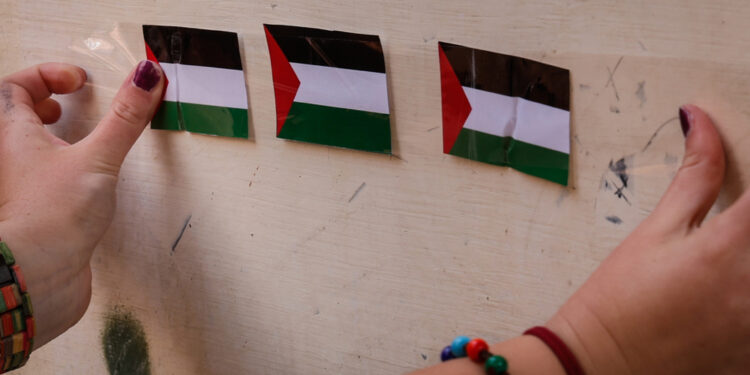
(184, 45)
(510, 75)
(329, 48)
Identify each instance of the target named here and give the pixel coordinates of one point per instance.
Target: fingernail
(147, 75)
(685, 120)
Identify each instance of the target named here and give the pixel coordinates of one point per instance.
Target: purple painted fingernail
(685, 119)
(147, 75)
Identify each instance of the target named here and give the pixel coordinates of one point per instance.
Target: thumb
(696, 186)
(132, 108)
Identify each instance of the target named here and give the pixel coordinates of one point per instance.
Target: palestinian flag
(330, 87)
(206, 91)
(506, 110)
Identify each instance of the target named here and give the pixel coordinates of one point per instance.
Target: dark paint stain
(641, 92)
(614, 109)
(424, 356)
(182, 232)
(614, 219)
(620, 169)
(124, 343)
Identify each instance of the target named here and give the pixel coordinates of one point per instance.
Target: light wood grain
(281, 272)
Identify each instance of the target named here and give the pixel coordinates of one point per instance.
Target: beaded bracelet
(478, 351)
(17, 328)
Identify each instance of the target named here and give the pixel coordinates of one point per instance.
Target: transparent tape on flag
(506, 110)
(206, 91)
(330, 87)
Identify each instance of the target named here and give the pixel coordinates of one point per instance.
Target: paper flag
(506, 110)
(206, 91)
(330, 88)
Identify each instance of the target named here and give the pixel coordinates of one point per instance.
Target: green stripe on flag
(199, 118)
(526, 157)
(340, 127)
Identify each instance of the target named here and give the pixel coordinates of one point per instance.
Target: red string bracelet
(562, 352)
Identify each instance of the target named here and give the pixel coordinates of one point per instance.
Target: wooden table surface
(305, 259)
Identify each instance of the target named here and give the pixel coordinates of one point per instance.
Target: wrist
(60, 294)
(597, 351)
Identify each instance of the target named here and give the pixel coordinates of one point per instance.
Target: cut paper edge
(456, 106)
(285, 81)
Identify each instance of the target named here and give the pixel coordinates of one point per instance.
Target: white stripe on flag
(535, 123)
(205, 85)
(341, 88)
(170, 70)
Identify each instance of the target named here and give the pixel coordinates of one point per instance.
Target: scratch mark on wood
(658, 129)
(357, 192)
(611, 79)
(643, 47)
(182, 232)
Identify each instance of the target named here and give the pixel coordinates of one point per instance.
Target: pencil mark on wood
(356, 192)
(250, 184)
(611, 79)
(584, 86)
(643, 47)
(431, 129)
(182, 232)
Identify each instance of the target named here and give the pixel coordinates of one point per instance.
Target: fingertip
(62, 78)
(48, 110)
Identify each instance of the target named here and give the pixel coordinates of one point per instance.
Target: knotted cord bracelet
(478, 351)
(17, 328)
(562, 352)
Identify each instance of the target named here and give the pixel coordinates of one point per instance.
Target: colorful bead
(446, 354)
(475, 348)
(496, 365)
(458, 346)
(6, 255)
(9, 296)
(28, 310)
(18, 277)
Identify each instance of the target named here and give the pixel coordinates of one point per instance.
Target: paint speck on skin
(124, 344)
(614, 219)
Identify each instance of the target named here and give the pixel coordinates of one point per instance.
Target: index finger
(43, 80)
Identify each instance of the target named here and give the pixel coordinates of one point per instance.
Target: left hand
(57, 199)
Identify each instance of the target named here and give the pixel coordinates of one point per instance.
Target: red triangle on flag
(285, 81)
(456, 107)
